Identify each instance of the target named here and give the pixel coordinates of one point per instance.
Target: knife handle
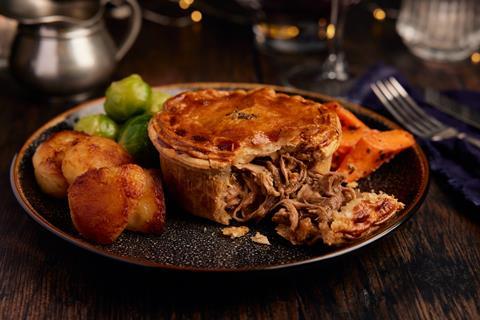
(470, 139)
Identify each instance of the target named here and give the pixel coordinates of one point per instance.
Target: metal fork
(401, 105)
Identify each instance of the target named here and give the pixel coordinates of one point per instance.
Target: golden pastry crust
(195, 186)
(247, 156)
(235, 232)
(260, 239)
(203, 136)
(237, 126)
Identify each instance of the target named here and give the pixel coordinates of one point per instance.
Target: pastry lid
(237, 126)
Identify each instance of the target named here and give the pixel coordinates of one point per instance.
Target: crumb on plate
(235, 232)
(260, 238)
(353, 184)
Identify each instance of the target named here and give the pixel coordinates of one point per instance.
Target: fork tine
(415, 107)
(408, 121)
(419, 121)
(384, 99)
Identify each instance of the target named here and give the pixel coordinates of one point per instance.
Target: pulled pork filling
(304, 204)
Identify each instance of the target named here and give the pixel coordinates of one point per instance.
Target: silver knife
(452, 108)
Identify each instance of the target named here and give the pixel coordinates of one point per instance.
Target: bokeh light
(475, 57)
(330, 31)
(379, 14)
(196, 16)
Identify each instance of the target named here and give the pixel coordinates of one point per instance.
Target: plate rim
(411, 208)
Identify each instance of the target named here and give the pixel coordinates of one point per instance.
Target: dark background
(428, 269)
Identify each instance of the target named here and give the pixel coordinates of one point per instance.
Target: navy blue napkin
(456, 161)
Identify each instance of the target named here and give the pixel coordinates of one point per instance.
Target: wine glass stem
(335, 67)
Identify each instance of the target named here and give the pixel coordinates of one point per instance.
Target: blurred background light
(330, 31)
(196, 16)
(475, 57)
(379, 14)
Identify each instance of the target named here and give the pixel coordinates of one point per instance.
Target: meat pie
(251, 155)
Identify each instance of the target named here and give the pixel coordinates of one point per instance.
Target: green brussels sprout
(156, 104)
(134, 138)
(127, 97)
(97, 125)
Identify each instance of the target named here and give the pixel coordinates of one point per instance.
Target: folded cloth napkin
(457, 161)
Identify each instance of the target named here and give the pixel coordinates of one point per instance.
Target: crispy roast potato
(92, 153)
(47, 162)
(104, 202)
(149, 214)
(101, 201)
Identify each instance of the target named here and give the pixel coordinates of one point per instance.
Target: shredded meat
(235, 194)
(306, 206)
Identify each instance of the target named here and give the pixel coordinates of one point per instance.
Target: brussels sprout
(156, 104)
(97, 125)
(134, 138)
(127, 97)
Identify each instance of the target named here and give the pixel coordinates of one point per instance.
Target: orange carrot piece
(350, 137)
(373, 150)
(347, 118)
(352, 130)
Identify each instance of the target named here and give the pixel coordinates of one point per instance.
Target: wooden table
(429, 268)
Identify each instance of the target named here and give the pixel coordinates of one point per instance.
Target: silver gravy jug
(70, 51)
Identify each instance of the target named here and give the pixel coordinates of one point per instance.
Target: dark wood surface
(427, 269)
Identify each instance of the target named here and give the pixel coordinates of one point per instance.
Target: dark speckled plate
(194, 244)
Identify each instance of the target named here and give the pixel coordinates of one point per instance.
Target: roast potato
(47, 162)
(101, 201)
(93, 153)
(149, 214)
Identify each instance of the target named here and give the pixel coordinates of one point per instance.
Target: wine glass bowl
(285, 26)
(330, 76)
(300, 27)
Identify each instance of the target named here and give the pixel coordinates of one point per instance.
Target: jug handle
(134, 25)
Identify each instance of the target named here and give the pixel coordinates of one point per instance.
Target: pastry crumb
(260, 238)
(235, 232)
(353, 184)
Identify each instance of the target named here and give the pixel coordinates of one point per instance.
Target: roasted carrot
(350, 137)
(352, 130)
(347, 118)
(372, 150)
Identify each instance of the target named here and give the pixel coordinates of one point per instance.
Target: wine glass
(287, 27)
(331, 76)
